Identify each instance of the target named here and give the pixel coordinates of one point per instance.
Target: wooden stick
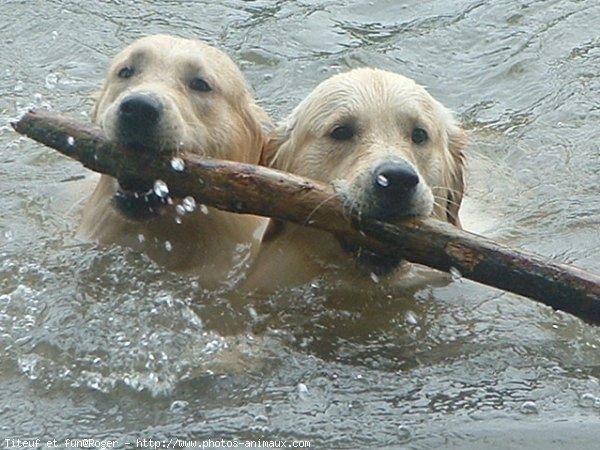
(245, 188)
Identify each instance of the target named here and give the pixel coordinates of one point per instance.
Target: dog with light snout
(389, 149)
(169, 94)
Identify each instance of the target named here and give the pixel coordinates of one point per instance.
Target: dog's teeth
(382, 181)
(161, 189)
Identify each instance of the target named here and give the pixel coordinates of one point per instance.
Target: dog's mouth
(369, 261)
(138, 200)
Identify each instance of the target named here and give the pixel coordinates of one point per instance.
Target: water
(99, 342)
(160, 188)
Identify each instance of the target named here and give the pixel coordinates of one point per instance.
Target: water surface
(99, 342)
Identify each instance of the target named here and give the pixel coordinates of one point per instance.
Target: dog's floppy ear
(278, 149)
(269, 150)
(277, 154)
(457, 143)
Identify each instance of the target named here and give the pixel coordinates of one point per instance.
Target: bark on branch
(244, 188)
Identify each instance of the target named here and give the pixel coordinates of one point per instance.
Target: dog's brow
(136, 57)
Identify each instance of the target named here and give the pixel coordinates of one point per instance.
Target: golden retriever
(169, 94)
(389, 149)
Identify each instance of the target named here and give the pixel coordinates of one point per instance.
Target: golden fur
(389, 149)
(164, 93)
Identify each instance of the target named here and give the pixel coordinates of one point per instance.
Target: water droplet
(161, 189)
(455, 274)
(178, 220)
(189, 204)
(302, 390)
(179, 209)
(204, 209)
(411, 318)
(168, 246)
(528, 407)
(374, 277)
(403, 432)
(382, 181)
(253, 314)
(178, 164)
(71, 141)
(141, 238)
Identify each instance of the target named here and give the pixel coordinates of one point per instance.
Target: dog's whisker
(443, 204)
(439, 201)
(316, 208)
(447, 189)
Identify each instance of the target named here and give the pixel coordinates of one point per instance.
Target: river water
(98, 342)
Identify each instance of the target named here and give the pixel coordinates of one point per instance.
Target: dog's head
(390, 149)
(168, 94)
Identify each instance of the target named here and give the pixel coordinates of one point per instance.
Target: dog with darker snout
(166, 93)
(389, 149)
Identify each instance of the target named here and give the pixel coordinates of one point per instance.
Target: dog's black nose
(140, 110)
(138, 121)
(395, 180)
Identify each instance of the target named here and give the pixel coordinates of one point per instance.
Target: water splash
(589, 400)
(302, 390)
(455, 274)
(411, 318)
(529, 407)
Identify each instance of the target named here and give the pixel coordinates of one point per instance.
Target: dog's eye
(342, 133)
(419, 136)
(198, 84)
(126, 72)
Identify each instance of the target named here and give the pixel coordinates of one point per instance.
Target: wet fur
(383, 108)
(223, 123)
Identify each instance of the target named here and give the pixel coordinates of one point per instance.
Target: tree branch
(245, 188)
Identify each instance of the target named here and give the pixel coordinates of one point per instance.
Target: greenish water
(99, 342)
